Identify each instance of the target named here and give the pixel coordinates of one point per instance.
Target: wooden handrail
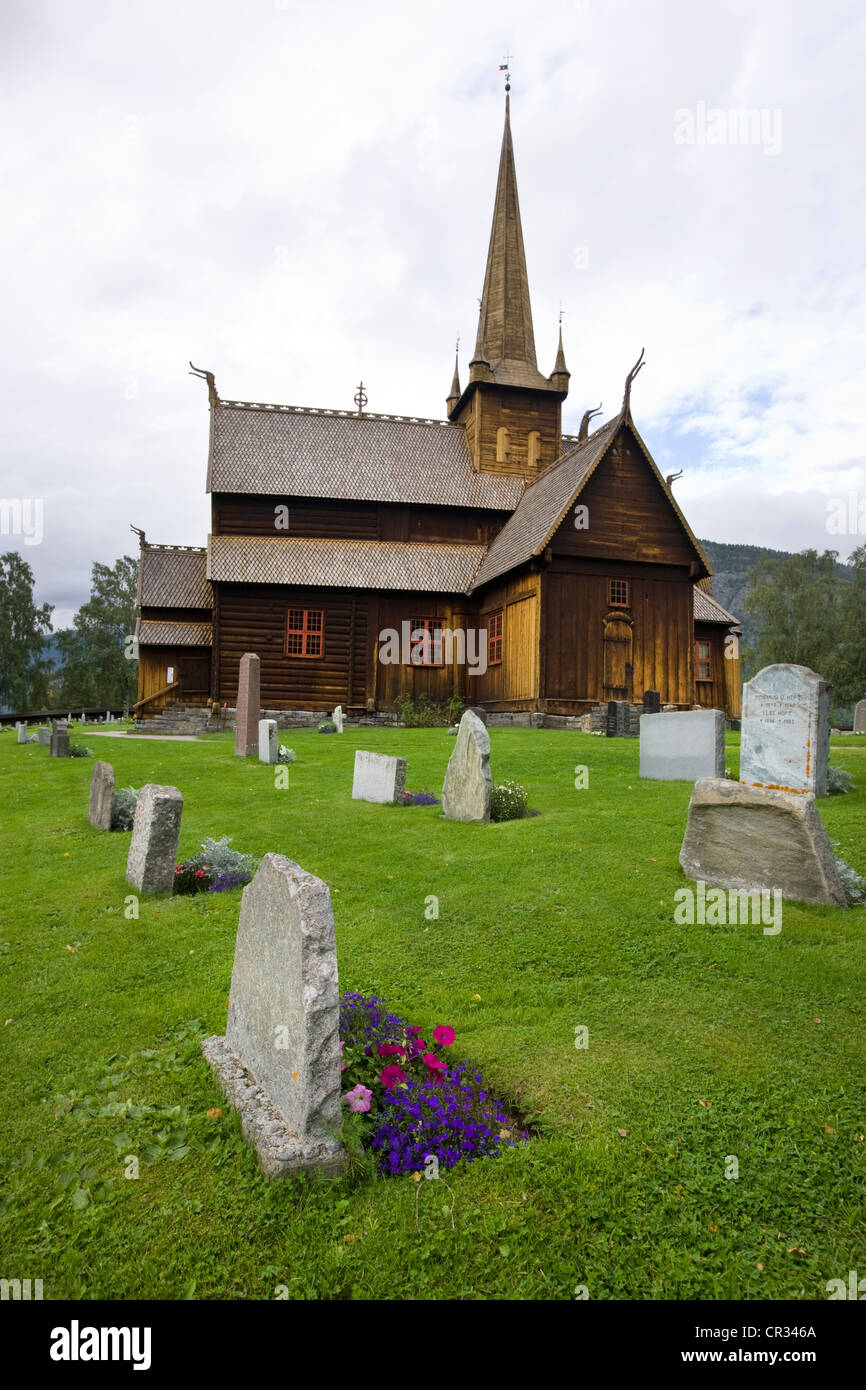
(156, 694)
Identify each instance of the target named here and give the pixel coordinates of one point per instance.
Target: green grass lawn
(704, 1042)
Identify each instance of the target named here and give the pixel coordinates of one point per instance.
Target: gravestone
(652, 702)
(683, 746)
(248, 706)
(267, 740)
(785, 732)
(468, 783)
(617, 719)
(860, 717)
(83, 719)
(60, 739)
(101, 796)
(378, 777)
(44, 737)
(108, 716)
(155, 833)
(21, 732)
(338, 718)
(479, 713)
(279, 1062)
(753, 838)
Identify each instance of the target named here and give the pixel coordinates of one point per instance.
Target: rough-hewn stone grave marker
(268, 741)
(155, 833)
(101, 796)
(860, 717)
(785, 733)
(378, 777)
(753, 838)
(248, 706)
(686, 745)
(338, 718)
(279, 1062)
(468, 783)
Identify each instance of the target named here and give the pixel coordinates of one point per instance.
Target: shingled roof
(153, 634)
(544, 505)
(343, 563)
(708, 611)
(288, 452)
(173, 576)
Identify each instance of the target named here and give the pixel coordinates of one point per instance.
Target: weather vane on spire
(506, 68)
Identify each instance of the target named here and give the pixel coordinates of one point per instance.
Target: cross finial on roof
(360, 398)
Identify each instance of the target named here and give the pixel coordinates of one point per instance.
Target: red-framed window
(703, 661)
(618, 593)
(494, 639)
(305, 632)
(425, 642)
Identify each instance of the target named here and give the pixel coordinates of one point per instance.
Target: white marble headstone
(785, 730)
(267, 740)
(378, 777)
(338, 718)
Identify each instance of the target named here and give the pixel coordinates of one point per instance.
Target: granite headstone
(378, 777)
(101, 796)
(155, 833)
(468, 782)
(248, 706)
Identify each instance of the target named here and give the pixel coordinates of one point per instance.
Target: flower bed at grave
(217, 869)
(410, 1102)
(421, 798)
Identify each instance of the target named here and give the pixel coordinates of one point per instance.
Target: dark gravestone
(652, 702)
(60, 739)
(610, 727)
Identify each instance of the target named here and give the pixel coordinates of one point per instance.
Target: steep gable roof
(287, 452)
(707, 610)
(173, 576)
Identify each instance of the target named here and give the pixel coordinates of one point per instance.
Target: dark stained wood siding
(235, 515)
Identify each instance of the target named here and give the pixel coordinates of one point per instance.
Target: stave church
(353, 550)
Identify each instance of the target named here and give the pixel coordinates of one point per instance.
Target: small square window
(425, 642)
(305, 632)
(494, 639)
(618, 593)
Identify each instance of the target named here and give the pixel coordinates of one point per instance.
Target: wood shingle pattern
(708, 611)
(174, 577)
(366, 458)
(155, 634)
(348, 564)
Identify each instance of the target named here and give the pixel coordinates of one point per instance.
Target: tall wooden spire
(511, 413)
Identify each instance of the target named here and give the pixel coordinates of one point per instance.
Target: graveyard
(640, 1053)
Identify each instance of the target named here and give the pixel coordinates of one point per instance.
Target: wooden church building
(350, 550)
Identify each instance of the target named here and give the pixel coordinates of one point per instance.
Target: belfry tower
(511, 413)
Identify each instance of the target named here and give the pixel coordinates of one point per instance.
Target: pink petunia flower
(444, 1034)
(392, 1076)
(413, 1031)
(359, 1098)
(392, 1050)
(435, 1066)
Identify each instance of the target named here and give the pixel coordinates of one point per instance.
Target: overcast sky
(298, 196)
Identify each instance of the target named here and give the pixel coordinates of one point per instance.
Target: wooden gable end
(629, 514)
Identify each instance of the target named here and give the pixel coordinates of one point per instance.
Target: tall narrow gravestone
(785, 732)
(155, 833)
(860, 717)
(468, 783)
(21, 732)
(60, 739)
(267, 740)
(101, 796)
(248, 706)
(279, 1062)
(378, 777)
(338, 718)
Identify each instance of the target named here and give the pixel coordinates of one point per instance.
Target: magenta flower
(392, 1050)
(392, 1076)
(359, 1098)
(435, 1066)
(444, 1034)
(413, 1031)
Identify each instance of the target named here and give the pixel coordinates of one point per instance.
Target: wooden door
(617, 658)
(520, 649)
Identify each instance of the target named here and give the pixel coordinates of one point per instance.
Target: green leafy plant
(839, 781)
(77, 750)
(424, 713)
(285, 755)
(508, 802)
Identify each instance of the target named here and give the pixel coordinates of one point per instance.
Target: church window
(494, 639)
(305, 632)
(703, 662)
(502, 442)
(425, 642)
(618, 593)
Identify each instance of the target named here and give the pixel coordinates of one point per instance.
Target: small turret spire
(454, 394)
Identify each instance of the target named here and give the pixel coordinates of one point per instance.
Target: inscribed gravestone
(267, 740)
(155, 833)
(860, 717)
(279, 1062)
(101, 796)
(751, 838)
(785, 734)
(685, 745)
(248, 705)
(44, 737)
(21, 732)
(468, 783)
(60, 740)
(378, 777)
